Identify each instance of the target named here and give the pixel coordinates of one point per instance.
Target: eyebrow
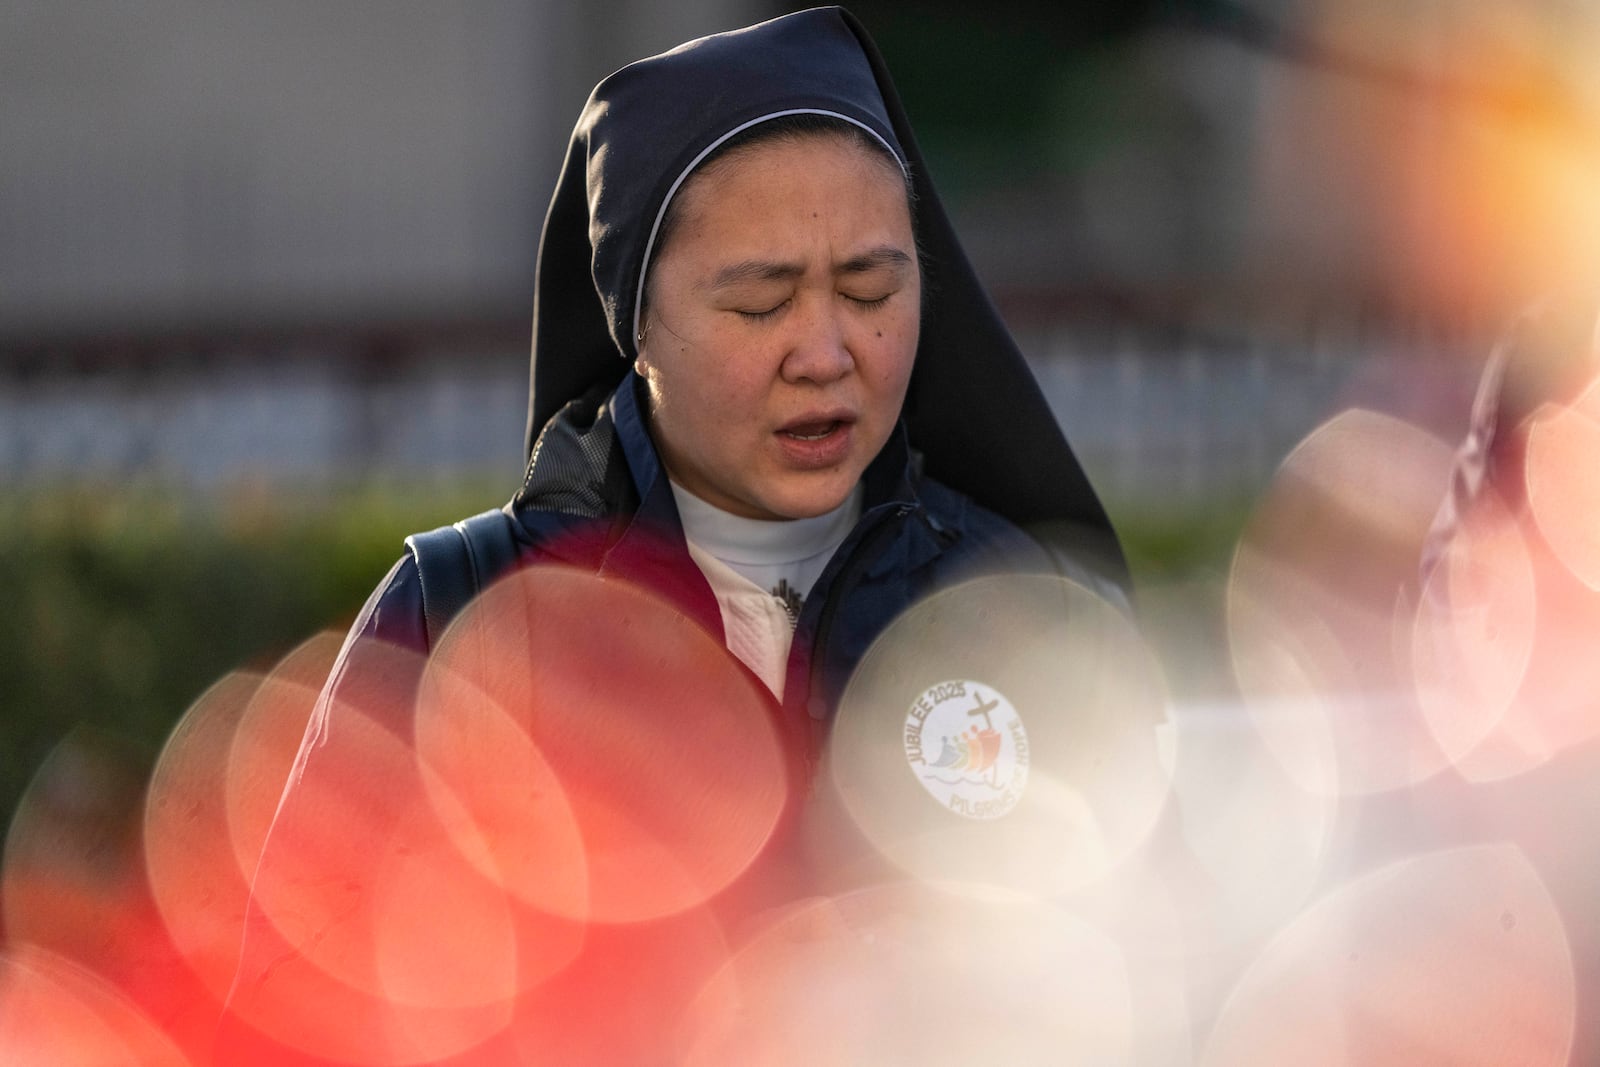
(761, 270)
(882, 256)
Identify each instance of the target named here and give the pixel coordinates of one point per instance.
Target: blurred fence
(1163, 418)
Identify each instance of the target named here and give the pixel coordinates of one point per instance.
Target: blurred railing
(1162, 417)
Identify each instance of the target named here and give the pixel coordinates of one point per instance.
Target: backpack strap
(456, 562)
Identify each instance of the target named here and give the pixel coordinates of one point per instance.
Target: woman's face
(782, 325)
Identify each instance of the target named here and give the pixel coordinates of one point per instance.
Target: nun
(769, 391)
(759, 346)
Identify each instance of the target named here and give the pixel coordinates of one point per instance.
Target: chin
(808, 505)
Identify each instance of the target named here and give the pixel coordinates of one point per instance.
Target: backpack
(456, 562)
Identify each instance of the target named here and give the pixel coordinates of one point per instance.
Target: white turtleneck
(752, 563)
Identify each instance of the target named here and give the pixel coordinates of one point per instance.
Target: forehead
(810, 180)
(789, 148)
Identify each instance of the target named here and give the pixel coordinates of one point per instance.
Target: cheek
(672, 398)
(705, 395)
(735, 373)
(897, 355)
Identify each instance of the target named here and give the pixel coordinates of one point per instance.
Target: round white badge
(966, 745)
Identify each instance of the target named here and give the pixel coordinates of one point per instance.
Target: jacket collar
(641, 539)
(651, 547)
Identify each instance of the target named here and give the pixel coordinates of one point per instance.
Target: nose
(819, 350)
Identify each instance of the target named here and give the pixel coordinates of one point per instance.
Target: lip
(817, 439)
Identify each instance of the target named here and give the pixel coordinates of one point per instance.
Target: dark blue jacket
(596, 498)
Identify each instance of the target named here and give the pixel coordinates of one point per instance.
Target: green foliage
(1181, 546)
(123, 607)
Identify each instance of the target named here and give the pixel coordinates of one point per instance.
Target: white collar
(764, 542)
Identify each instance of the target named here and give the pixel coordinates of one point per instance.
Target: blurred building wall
(174, 161)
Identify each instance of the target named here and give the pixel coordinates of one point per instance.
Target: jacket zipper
(859, 559)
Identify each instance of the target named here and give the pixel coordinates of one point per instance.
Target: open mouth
(811, 431)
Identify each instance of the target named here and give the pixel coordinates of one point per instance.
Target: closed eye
(867, 304)
(761, 316)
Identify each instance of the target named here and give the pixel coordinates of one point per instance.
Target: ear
(641, 347)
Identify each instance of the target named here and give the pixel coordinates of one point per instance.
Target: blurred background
(266, 272)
